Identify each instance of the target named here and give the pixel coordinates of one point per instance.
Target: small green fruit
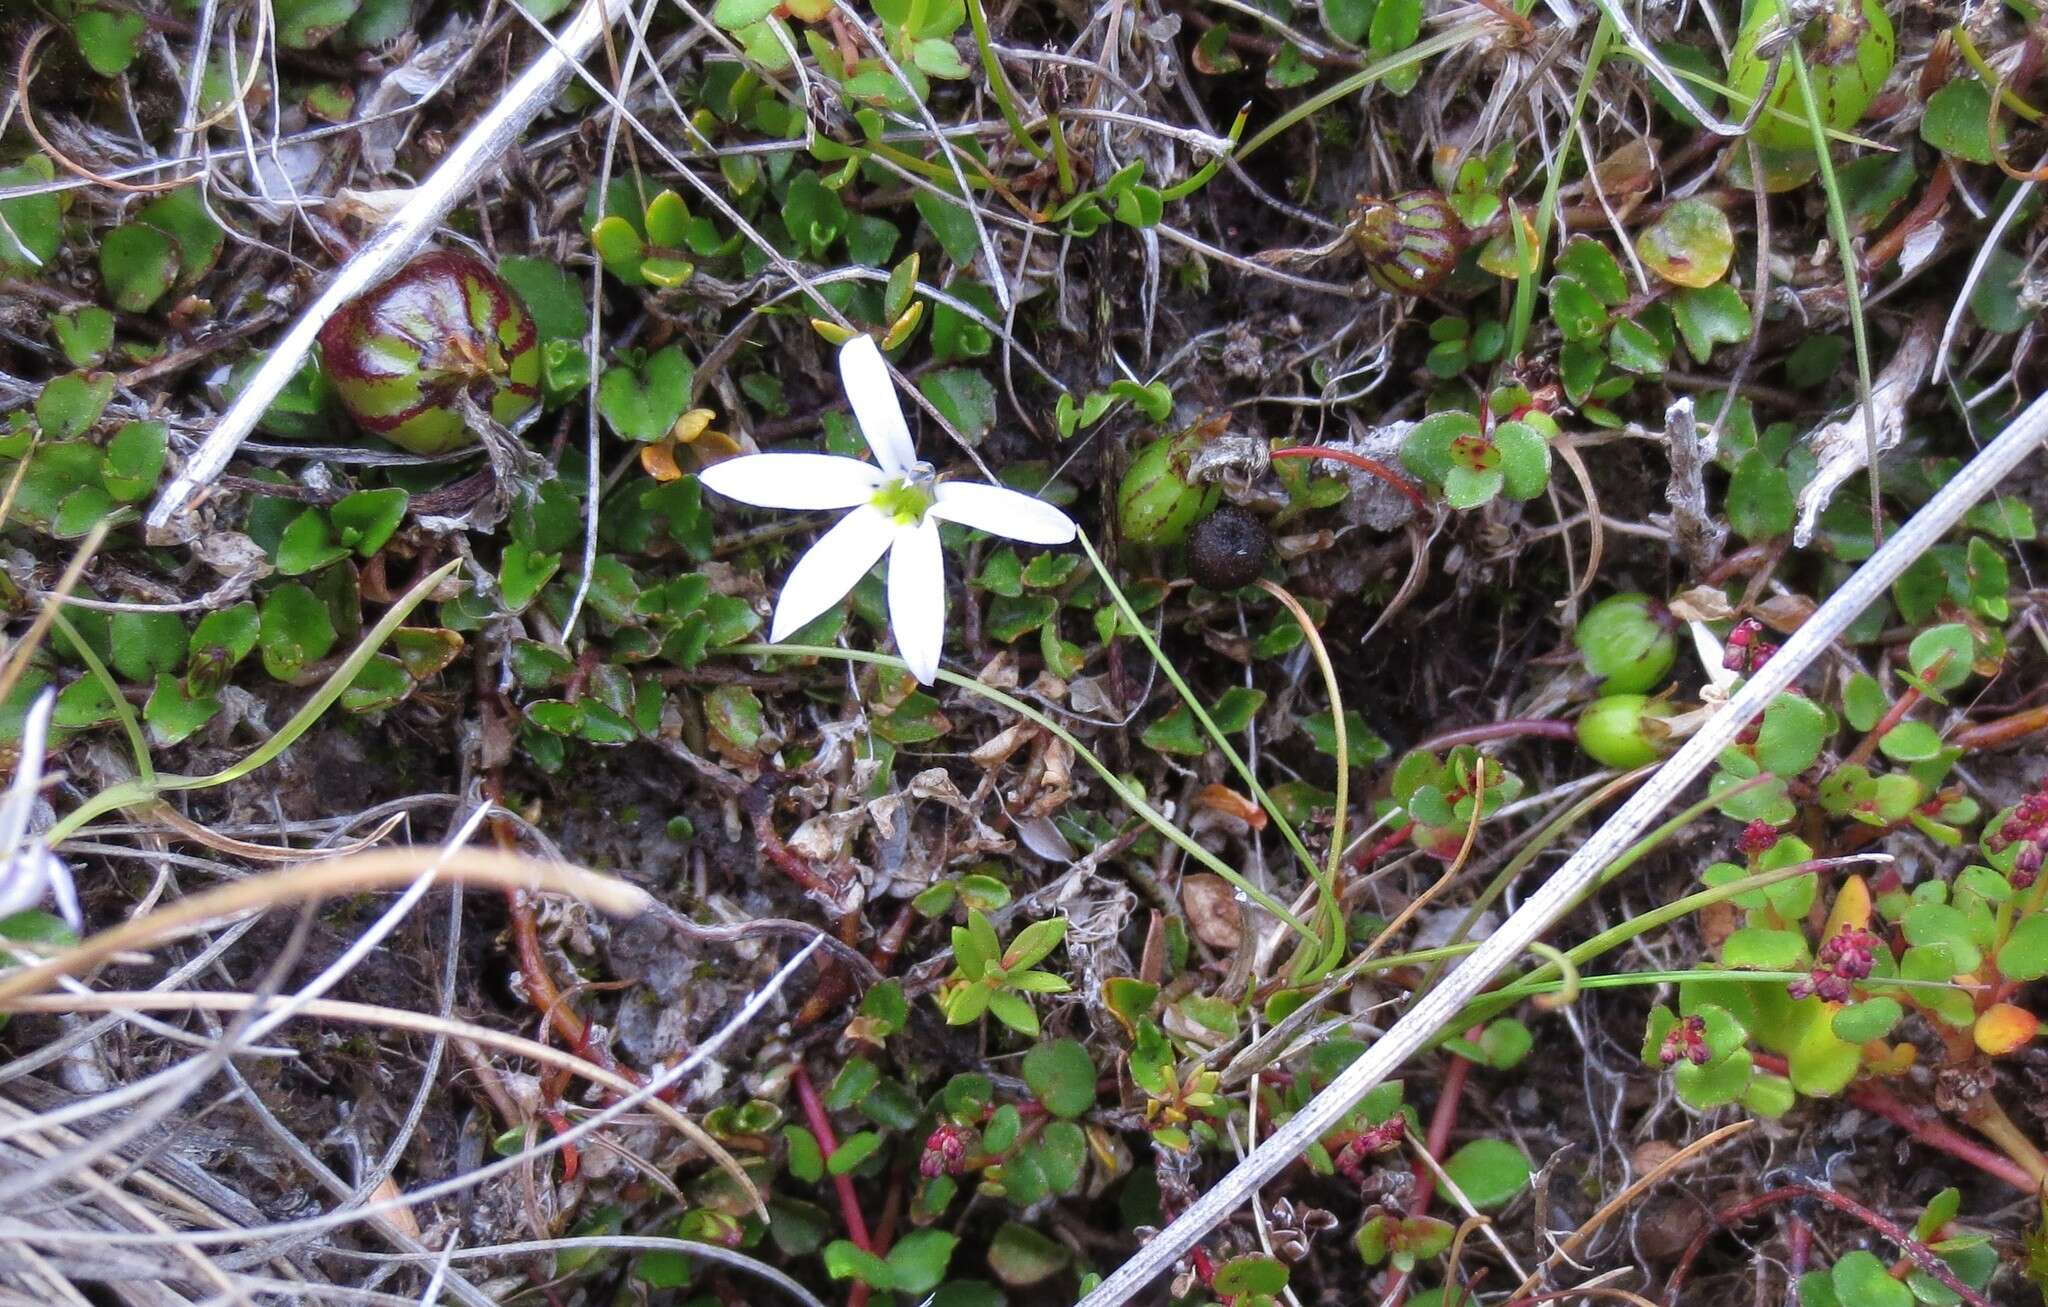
(401, 355)
(1628, 642)
(1849, 50)
(1156, 504)
(1618, 731)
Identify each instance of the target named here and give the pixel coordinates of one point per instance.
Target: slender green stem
(1568, 989)
(1333, 908)
(145, 768)
(1852, 279)
(1990, 76)
(1742, 101)
(1131, 798)
(1648, 844)
(131, 793)
(1364, 77)
(1543, 839)
(1201, 176)
(1486, 1006)
(1546, 209)
(1223, 745)
(1542, 980)
(998, 81)
(1624, 979)
(1062, 160)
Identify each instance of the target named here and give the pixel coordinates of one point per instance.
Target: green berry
(1618, 731)
(1628, 642)
(401, 355)
(1156, 504)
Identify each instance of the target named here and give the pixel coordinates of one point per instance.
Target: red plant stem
(1873, 1097)
(1800, 1237)
(1384, 847)
(892, 1212)
(833, 982)
(1936, 1134)
(572, 1161)
(1363, 464)
(1443, 1119)
(2005, 730)
(1893, 242)
(836, 983)
(1511, 728)
(849, 1202)
(1920, 1255)
(1867, 746)
(796, 868)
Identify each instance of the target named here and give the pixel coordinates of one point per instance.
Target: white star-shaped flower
(29, 872)
(897, 504)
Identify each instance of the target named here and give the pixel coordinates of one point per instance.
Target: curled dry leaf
(1703, 603)
(1228, 802)
(1213, 913)
(1841, 448)
(1785, 613)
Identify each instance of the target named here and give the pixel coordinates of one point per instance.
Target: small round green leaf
(1490, 1172)
(1062, 1076)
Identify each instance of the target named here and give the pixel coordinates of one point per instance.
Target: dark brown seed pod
(1228, 549)
(445, 323)
(1410, 243)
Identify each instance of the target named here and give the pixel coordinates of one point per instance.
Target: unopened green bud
(1156, 504)
(1628, 642)
(1621, 730)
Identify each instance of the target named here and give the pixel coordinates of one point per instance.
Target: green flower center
(906, 499)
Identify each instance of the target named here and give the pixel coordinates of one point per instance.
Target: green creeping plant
(401, 356)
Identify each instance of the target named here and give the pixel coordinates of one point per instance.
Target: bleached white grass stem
(1434, 1010)
(168, 1089)
(12, 1227)
(710, 1252)
(380, 256)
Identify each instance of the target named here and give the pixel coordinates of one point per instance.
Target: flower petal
(18, 806)
(800, 481)
(917, 598)
(62, 889)
(830, 568)
(865, 374)
(1004, 512)
(1713, 658)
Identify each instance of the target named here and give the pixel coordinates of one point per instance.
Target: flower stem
(1332, 904)
(1512, 728)
(1223, 745)
(998, 81)
(2005, 730)
(1362, 463)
